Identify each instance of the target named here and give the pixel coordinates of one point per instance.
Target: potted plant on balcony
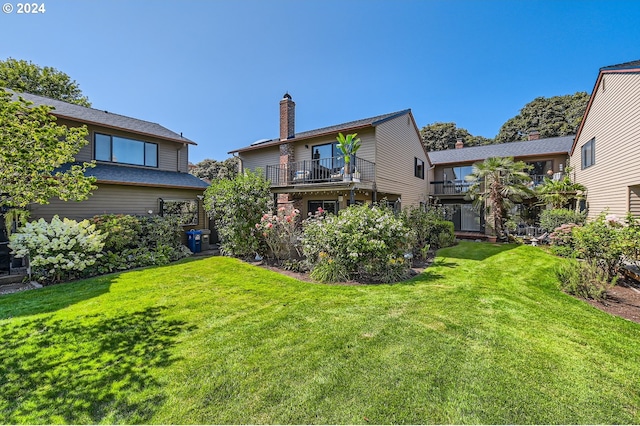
(348, 146)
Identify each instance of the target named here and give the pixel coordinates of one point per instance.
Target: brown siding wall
(398, 145)
(634, 200)
(614, 122)
(260, 158)
(168, 157)
(118, 199)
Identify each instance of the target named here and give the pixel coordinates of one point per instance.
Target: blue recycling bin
(194, 240)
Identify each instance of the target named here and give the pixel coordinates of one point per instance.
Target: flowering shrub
(362, 242)
(561, 238)
(602, 242)
(236, 205)
(280, 232)
(58, 250)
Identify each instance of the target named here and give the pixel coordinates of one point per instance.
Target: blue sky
(216, 70)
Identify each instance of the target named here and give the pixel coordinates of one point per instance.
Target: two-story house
(141, 167)
(606, 153)
(547, 157)
(307, 171)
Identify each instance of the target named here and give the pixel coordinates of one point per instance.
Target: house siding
(260, 158)
(168, 157)
(398, 145)
(118, 199)
(614, 122)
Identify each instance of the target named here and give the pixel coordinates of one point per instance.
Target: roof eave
(151, 185)
(515, 157)
(601, 73)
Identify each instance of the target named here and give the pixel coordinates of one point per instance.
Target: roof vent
(286, 96)
(259, 141)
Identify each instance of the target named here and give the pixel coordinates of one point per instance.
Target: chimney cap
(286, 96)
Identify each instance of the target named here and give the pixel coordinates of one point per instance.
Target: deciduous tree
(33, 151)
(23, 76)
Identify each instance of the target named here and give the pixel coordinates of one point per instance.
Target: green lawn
(483, 336)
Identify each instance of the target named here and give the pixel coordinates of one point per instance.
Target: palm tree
(498, 183)
(559, 193)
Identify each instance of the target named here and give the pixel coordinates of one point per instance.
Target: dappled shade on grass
(57, 371)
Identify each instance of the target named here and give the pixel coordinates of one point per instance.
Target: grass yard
(483, 336)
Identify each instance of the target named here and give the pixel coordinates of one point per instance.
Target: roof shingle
(104, 118)
(365, 122)
(545, 146)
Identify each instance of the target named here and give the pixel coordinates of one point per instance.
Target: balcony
(460, 187)
(320, 171)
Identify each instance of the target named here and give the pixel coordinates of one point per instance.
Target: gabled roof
(139, 176)
(94, 116)
(547, 146)
(627, 67)
(344, 127)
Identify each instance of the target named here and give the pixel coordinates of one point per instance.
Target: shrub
(280, 232)
(585, 279)
(601, 242)
(562, 243)
(554, 218)
(363, 242)
(631, 241)
(137, 241)
(236, 206)
(58, 250)
(430, 229)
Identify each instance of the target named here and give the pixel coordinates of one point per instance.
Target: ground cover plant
(482, 336)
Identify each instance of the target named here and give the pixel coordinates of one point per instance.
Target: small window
(589, 153)
(418, 168)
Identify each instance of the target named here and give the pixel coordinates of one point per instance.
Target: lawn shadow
(475, 250)
(87, 370)
(54, 297)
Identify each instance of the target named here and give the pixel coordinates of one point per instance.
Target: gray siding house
(140, 166)
(606, 153)
(307, 171)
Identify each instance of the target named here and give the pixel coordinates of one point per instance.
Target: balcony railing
(320, 171)
(460, 187)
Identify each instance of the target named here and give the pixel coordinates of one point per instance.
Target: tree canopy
(554, 116)
(551, 117)
(214, 169)
(33, 148)
(23, 76)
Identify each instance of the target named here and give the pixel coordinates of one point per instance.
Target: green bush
(554, 218)
(366, 243)
(430, 228)
(280, 232)
(562, 242)
(585, 279)
(137, 241)
(602, 242)
(59, 250)
(235, 206)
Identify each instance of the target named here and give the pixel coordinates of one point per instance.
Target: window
(117, 149)
(328, 206)
(418, 168)
(186, 210)
(328, 156)
(589, 153)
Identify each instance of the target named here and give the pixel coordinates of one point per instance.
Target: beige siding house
(606, 153)
(141, 167)
(307, 171)
(546, 157)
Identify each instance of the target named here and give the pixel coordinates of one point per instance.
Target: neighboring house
(307, 171)
(547, 157)
(141, 167)
(606, 153)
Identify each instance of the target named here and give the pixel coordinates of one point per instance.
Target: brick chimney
(534, 135)
(287, 117)
(459, 143)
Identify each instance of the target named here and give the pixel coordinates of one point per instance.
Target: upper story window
(456, 174)
(418, 168)
(328, 155)
(589, 153)
(117, 149)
